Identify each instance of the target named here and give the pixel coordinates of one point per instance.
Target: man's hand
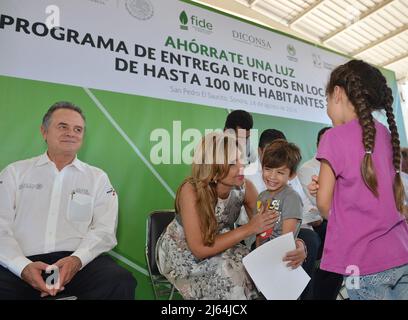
(316, 223)
(296, 257)
(32, 275)
(68, 267)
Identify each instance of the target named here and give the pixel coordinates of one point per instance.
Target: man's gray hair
(57, 106)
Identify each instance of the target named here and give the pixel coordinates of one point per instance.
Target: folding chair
(343, 292)
(157, 221)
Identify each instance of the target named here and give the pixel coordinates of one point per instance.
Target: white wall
(403, 89)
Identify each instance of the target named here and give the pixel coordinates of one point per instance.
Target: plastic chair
(157, 221)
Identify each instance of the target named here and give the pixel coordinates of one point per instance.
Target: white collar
(44, 159)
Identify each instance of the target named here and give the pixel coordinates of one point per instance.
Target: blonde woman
(200, 251)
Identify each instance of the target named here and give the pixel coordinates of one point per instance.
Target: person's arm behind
(251, 195)
(11, 255)
(326, 183)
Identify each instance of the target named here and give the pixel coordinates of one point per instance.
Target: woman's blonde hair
(211, 163)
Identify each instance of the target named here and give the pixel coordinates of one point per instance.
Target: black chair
(157, 221)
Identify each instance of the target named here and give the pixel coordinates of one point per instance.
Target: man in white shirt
(305, 173)
(57, 216)
(309, 169)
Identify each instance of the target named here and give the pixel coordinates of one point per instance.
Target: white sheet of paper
(270, 274)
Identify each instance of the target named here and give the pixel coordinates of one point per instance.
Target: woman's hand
(296, 257)
(313, 186)
(264, 220)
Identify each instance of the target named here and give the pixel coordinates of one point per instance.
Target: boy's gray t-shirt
(289, 205)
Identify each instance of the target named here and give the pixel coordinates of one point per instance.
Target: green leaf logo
(183, 18)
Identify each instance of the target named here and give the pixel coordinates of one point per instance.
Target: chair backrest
(156, 224)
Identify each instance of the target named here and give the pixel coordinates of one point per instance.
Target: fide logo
(183, 20)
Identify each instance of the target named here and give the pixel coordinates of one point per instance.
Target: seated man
(57, 216)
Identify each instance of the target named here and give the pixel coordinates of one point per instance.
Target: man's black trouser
(326, 284)
(102, 278)
(312, 242)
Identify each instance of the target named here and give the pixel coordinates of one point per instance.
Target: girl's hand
(264, 220)
(313, 186)
(296, 257)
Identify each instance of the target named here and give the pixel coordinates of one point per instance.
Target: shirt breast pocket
(80, 208)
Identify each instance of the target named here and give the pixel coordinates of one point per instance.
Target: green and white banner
(165, 49)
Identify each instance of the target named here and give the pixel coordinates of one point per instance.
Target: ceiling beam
(243, 11)
(397, 59)
(300, 30)
(403, 79)
(270, 15)
(365, 15)
(377, 42)
(252, 2)
(305, 12)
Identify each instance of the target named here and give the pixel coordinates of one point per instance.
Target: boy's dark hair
(270, 135)
(239, 118)
(281, 153)
(320, 134)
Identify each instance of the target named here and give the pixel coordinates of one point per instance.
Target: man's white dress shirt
(44, 210)
(305, 172)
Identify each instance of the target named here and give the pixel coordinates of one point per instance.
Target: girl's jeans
(390, 284)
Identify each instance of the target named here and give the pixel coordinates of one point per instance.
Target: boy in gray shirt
(279, 163)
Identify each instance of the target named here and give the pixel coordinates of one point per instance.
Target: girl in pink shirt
(359, 187)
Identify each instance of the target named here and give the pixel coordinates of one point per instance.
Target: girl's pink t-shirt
(365, 234)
